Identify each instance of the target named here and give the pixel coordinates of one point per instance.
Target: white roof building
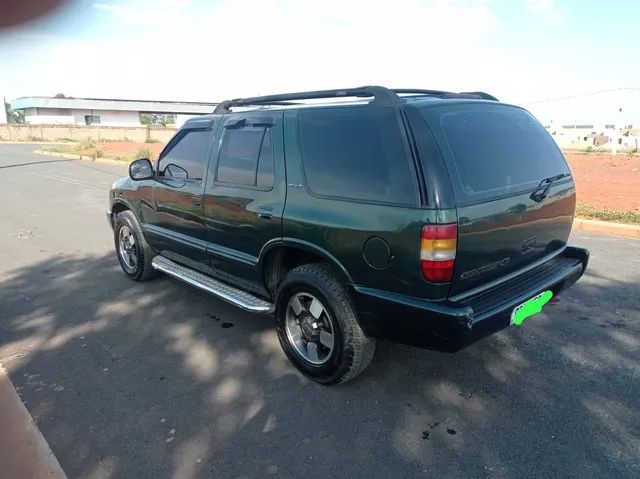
(107, 112)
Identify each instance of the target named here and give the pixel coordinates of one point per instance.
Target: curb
(24, 452)
(606, 227)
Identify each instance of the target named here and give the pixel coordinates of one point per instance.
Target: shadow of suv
(425, 217)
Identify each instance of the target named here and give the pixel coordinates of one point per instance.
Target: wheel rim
(309, 328)
(127, 248)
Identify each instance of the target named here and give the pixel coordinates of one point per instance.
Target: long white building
(41, 110)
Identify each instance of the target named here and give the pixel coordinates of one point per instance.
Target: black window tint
(246, 157)
(357, 153)
(495, 149)
(188, 157)
(265, 177)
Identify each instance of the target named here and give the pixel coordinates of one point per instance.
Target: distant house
(61, 110)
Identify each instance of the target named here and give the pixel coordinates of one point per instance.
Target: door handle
(265, 213)
(196, 200)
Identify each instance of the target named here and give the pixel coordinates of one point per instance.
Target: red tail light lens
(438, 246)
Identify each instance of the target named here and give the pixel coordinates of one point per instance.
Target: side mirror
(141, 170)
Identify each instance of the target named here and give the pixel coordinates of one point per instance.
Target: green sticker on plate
(530, 307)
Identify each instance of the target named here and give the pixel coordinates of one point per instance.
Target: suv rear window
(356, 153)
(492, 150)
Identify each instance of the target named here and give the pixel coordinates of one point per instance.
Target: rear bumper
(450, 326)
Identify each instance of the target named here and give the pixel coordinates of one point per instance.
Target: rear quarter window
(356, 153)
(492, 150)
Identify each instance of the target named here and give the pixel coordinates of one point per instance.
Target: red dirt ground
(602, 181)
(125, 148)
(606, 182)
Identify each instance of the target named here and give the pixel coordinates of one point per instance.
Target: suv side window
(187, 158)
(356, 153)
(246, 157)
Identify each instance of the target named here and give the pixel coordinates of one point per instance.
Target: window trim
(233, 124)
(172, 143)
(409, 157)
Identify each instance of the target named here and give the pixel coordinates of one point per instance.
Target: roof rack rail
(447, 94)
(380, 95)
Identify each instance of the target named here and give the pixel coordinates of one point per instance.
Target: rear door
(245, 194)
(509, 217)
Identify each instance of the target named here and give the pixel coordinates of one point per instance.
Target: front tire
(317, 326)
(134, 254)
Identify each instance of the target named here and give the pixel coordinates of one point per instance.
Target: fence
(13, 132)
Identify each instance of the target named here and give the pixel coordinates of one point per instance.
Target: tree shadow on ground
(157, 379)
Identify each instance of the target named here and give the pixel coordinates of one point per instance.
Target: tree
(13, 116)
(157, 119)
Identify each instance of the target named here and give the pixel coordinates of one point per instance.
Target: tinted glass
(265, 177)
(188, 157)
(239, 155)
(357, 153)
(494, 149)
(246, 157)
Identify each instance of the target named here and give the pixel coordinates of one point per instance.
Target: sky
(533, 53)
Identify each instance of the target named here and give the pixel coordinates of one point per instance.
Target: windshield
(493, 150)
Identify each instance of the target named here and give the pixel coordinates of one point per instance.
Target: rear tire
(317, 326)
(133, 251)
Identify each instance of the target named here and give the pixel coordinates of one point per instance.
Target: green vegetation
(157, 119)
(34, 138)
(587, 211)
(588, 149)
(65, 140)
(87, 143)
(143, 153)
(151, 140)
(13, 116)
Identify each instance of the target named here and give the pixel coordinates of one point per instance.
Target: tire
(126, 225)
(304, 290)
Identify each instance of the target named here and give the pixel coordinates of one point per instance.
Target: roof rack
(380, 95)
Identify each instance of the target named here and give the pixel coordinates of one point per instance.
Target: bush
(88, 143)
(34, 138)
(143, 153)
(589, 149)
(65, 140)
(96, 152)
(151, 140)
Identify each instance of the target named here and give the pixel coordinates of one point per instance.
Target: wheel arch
(274, 262)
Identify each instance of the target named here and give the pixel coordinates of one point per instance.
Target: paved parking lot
(161, 380)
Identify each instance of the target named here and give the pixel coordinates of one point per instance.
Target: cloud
(548, 9)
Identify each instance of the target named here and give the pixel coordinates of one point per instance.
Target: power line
(581, 95)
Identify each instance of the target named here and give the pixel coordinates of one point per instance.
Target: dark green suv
(425, 217)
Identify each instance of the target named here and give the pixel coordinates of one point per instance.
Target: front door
(175, 225)
(245, 195)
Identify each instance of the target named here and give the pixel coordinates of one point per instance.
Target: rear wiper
(541, 192)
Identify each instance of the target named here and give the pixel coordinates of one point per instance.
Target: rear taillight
(438, 252)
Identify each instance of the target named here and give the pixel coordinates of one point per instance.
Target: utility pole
(616, 132)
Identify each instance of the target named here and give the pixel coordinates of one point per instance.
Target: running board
(232, 295)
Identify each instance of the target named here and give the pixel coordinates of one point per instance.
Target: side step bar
(223, 291)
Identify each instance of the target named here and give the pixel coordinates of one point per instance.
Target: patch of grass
(151, 140)
(587, 211)
(34, 138)
(60, 148)
(65, 140)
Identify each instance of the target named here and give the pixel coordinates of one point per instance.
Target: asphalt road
(149, 380)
